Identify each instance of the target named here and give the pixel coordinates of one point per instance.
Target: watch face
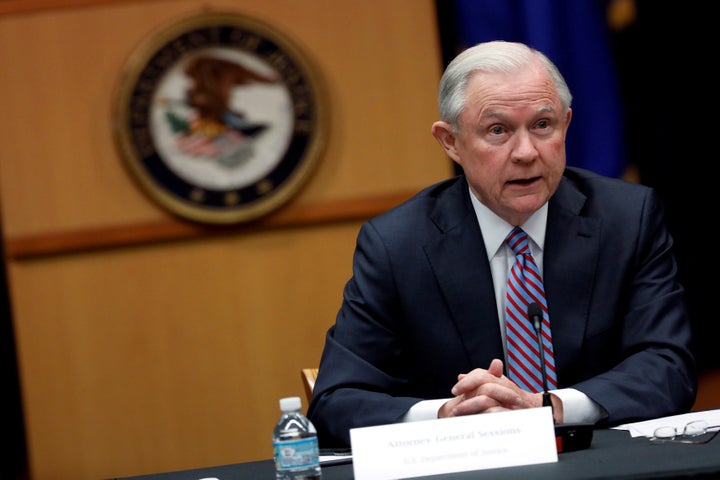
(220, 118)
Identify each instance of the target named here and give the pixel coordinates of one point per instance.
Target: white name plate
(458, 444)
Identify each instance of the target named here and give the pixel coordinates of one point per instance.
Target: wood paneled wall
(149, 344)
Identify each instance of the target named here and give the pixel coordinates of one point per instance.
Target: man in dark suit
(421, 330)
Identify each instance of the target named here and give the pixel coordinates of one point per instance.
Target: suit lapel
(570, 260)
(458, 258)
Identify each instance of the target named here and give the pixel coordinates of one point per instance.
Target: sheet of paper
(335, 459)
(473, 442)
(647, 427)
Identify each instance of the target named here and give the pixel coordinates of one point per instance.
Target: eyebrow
(546, 108)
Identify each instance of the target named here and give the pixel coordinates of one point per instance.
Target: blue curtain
(575, 35)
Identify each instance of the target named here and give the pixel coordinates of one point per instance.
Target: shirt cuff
(578, 407)
(424, 410)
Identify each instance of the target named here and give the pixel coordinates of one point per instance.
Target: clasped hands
(488, 391)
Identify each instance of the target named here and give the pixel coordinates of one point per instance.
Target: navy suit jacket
(420, 307)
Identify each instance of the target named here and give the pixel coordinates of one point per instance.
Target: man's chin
(521, 208)
(529, 203)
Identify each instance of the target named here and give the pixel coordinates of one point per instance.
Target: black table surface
(612, 454)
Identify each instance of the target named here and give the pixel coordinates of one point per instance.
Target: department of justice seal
(220, 118)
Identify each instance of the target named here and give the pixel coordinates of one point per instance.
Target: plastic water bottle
(295, 444)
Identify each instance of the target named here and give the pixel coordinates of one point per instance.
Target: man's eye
(496, 130)
(543, 124)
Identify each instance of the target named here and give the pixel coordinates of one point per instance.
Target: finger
(496, 367)
(477, 377)
(473, 405)
(468, 382)
(508, 396)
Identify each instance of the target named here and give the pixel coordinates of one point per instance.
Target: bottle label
(294, 454)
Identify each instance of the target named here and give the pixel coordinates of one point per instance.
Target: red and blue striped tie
(525, 287)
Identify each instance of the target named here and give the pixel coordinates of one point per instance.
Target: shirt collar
(494, 229)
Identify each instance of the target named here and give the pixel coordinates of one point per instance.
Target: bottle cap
(290, 403)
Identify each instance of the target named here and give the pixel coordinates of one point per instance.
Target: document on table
(648, 427)
(335, 456)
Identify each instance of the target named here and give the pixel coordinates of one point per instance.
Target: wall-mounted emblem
(220, 118)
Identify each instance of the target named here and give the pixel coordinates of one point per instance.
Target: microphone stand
(568, 436)
(535, 315)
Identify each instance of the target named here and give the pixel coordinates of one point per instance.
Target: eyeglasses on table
(697, 432)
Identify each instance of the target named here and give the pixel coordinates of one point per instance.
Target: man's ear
(568, 117)
(443, 133)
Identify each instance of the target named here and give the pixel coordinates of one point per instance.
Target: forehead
(526, 87)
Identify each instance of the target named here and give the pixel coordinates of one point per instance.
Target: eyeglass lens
(692, 429)
(687, 434)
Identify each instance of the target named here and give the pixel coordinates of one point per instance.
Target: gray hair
(491, 57)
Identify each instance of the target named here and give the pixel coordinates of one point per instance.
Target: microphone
(568, 436)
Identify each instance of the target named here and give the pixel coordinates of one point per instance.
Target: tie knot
(517, 239)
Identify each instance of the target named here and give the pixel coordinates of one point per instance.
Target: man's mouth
(523, 181)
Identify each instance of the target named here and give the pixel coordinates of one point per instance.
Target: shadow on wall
(13, 456)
